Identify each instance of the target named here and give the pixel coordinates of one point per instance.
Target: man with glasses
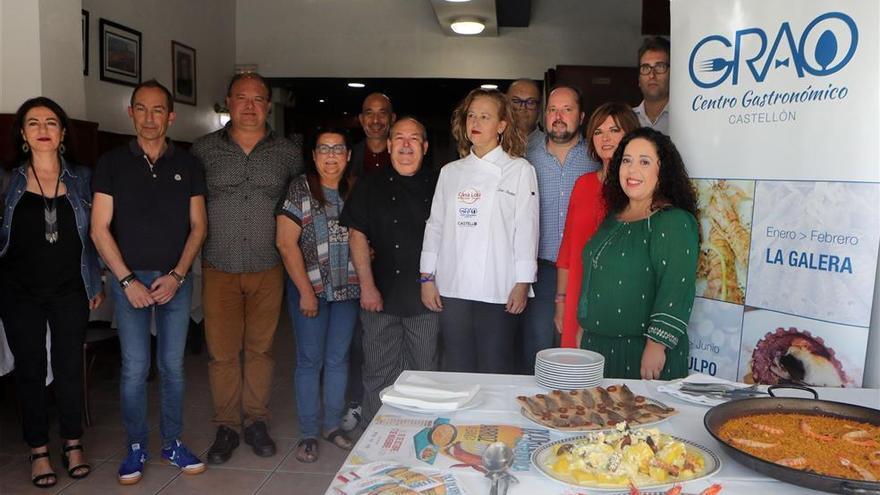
(247, 169)
(654, 84)
(525, 97)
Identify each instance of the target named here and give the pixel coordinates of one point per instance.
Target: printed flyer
(439, 444)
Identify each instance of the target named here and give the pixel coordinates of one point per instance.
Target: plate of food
(592, 409)
(642, 458)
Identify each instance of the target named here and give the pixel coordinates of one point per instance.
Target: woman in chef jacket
(481, 240)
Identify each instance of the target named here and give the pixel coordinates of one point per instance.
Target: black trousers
(477, 336)
(24, 318)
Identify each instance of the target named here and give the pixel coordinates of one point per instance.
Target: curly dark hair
(673, 185)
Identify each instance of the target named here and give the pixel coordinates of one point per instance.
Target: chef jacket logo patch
(469, 196)
(467, 212)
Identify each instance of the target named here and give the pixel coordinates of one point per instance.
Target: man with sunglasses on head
(653, 111)
(525, 96)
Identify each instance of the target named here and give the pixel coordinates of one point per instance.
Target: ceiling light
(356, 85)
(321, 100)
(458, 1)
(467, 25)
(489, 86)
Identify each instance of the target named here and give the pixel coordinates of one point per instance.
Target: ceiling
(495, 14)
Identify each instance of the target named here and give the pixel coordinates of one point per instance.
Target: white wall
(206, 25)
(340, 38)
(21, 75)
(61, 54)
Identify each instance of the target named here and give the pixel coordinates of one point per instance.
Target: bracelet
(560, 297)
(127, 280)
(428, 278)
(178, 277)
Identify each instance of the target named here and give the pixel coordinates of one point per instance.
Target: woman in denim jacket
(49, 274)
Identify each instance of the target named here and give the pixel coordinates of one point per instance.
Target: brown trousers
(241, 314)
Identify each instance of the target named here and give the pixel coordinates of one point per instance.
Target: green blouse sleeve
(674, 239)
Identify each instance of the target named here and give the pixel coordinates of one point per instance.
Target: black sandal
(45, 476)
(307, 450)
(338, 438)
(65, 461)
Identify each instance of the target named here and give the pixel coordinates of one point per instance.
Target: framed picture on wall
(183, 73)
(120, 52)
(85, 36)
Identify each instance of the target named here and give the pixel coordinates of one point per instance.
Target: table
(390, 435)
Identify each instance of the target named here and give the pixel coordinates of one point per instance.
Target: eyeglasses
(531, 103)
(326, 149)
(658, 68)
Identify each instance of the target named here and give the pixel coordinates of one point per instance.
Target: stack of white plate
(569, 369)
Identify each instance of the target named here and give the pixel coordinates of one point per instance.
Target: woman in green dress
(640, 266)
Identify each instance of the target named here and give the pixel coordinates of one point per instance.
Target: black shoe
(257, 437)
(224, 443)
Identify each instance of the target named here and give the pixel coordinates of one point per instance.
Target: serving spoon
(497, 458)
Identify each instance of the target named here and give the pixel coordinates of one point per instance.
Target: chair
(96, 332)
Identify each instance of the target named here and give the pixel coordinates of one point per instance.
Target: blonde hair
(512, 140)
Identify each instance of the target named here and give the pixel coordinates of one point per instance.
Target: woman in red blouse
(586, 211)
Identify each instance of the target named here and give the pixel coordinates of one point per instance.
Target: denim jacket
(77, 181)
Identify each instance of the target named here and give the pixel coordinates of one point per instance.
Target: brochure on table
(774, 108)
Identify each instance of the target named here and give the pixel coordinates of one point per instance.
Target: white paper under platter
(542, 453)
(474, 402)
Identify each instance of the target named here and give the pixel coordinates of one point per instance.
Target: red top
(586, 211)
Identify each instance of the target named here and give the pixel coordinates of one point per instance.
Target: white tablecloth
(500, 407)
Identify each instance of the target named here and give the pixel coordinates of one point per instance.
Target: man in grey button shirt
(247, 169)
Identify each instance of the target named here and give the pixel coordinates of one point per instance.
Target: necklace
(50, 213)
(605, 243)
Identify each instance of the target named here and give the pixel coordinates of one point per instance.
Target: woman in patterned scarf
(322, 289)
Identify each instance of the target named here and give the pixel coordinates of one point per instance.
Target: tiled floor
(245, 473)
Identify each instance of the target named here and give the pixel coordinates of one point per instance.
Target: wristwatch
(127, 280)
(180, 278)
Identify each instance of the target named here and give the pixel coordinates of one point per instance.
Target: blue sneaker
(178, 455)
(132, 468)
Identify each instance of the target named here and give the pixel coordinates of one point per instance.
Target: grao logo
(468, 211)
(824, 47)
(469, 196)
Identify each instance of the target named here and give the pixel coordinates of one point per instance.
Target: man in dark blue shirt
(149, 223)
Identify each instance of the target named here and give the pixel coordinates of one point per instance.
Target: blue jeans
(172, 325)
(539, 332)
(321, 342)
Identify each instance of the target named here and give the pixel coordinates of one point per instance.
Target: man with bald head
(525, 97)
(559, 160)
(376, 117)
(387, 212)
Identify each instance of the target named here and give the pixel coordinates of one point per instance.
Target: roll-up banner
(774, 107)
